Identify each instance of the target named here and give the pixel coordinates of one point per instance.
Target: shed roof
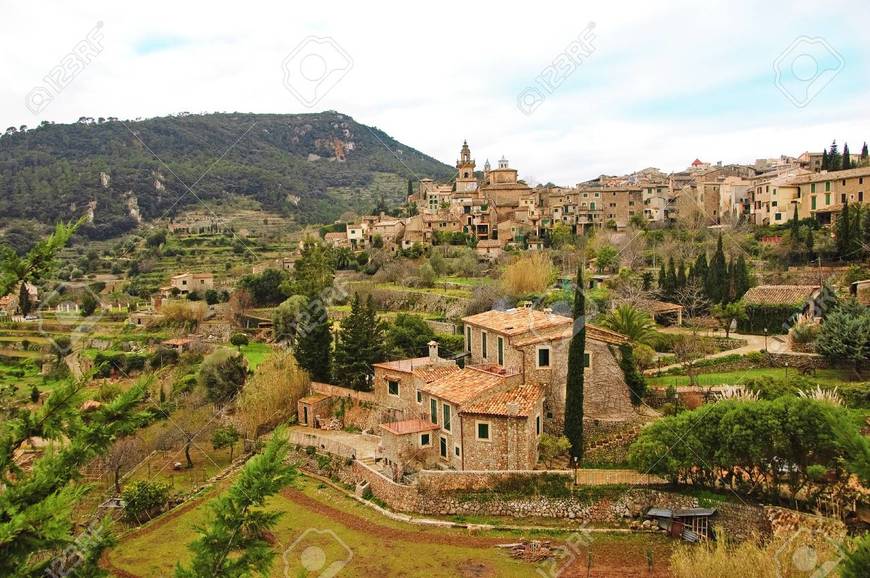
(779, 294)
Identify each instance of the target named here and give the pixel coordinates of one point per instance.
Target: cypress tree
(834, 157)
(856, 234)
(717, 276)
(864, 154)
(671, 286)
(731, 286)
(741, 278)
(847, 159)
(795, 226)
(663, 280)
(681, 275)
(576, 364)
(810, 244)
(699, 271)
(826, 160)
(844, 238)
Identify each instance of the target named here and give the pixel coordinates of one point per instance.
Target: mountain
(310, 166)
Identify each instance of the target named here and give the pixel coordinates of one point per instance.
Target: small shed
(690, 524)
(314, 407)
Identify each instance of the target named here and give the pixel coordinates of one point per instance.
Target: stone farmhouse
(185, 283)
(490, 413)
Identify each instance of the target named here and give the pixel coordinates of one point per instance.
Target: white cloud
(431, 77)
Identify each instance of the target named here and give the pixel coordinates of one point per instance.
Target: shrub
(239, 340)
(222, 374)
(530, 274)
(163, 356)
(804, 333)
(551, 448)
(143, 499)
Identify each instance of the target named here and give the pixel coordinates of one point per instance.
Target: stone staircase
(618, 439)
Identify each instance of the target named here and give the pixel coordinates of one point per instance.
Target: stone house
(398, 384)
(486, 417)
(314, 407)
(410, 443)
(535, 345)
(188, 282)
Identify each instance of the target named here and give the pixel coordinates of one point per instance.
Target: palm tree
(631, 322)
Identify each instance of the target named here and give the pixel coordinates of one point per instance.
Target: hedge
(773, 317)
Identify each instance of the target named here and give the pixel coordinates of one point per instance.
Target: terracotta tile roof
(314, 398)
(430, 373)
(656, 307)
(410, 426)
(463, 385)
(421, 367)
(335, 236)
(832, 176)
(518, 401)
(777, 294)
(593, 332)
(517, 321)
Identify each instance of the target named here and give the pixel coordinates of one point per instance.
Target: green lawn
(823, 376)
(255, 353)
(371, 544)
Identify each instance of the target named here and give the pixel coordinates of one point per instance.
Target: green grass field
(255, 353)
(822, 376)
(321, 526)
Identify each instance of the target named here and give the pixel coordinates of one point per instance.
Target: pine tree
(717, 276)
(313, 349)
(576, 364)
(37, 529)
(847, 159)
(843, 233)
(237, 540)
(360, 344)
(826, 160)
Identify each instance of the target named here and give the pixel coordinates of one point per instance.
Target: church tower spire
(465, 179)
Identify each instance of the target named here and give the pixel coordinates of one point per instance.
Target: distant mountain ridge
(312, 166)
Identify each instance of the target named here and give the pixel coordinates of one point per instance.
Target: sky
(566, 91)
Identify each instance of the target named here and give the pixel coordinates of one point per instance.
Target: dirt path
(754, 343)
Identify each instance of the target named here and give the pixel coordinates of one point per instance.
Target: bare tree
(693, 299)
(125, 452)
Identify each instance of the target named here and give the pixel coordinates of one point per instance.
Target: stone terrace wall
(337, 391)
(400, 497)
(437, 481)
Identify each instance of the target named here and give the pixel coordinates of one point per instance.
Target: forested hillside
(311, 166)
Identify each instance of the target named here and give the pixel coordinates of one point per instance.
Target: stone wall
(449, 493)
(434, 482)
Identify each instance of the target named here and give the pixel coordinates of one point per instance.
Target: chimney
(433, 351)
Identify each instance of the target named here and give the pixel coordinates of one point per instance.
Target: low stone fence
(322, 444)
(441, 326)
(439, 481)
